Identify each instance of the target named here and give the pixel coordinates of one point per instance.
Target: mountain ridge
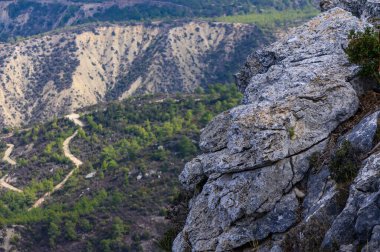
(61, 72)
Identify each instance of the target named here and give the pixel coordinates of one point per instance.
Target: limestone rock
(321, 197)
(374, 243)
(257, 63)
(291, 107)
(233, 209)
(362, 135)
(217, 133)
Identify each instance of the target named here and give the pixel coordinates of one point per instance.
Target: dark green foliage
(70, 231)
(3, 146)
(364, 50)
(315, 161)
(166, 241)
(53, 232)
(6, 130)
(186, 147)
(345, 163)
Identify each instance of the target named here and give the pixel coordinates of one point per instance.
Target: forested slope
(132, 153)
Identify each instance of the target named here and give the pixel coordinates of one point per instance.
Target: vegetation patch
(364, 50)
(271, 18)
(307, 236)
(345, 163)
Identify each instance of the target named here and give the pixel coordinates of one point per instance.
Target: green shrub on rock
(345, 163)
(364, 50)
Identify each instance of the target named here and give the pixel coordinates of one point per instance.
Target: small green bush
(166, 241)
(186, 147)
(364, 50)
(345, 163)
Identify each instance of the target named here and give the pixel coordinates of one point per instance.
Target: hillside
(113, 173)
(29, 17)
(60, 72)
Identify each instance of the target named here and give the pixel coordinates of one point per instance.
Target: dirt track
(69, 155)
(66, 150)
(4, 184)
(7, 155)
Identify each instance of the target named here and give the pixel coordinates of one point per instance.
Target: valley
(129, 152)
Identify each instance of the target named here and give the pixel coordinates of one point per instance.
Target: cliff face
(58, 73)
(255, 179)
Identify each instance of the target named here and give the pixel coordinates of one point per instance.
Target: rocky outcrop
(254, 179)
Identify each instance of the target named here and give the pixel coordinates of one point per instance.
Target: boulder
(362, 136)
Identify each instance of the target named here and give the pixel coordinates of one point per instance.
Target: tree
(186, 147)
(364, 50)
(70, 231)
(53, 233)
(118, 228)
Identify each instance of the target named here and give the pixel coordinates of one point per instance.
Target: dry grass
(307, 236)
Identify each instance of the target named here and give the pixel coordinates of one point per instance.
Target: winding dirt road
(4, 184)
(75, 119)
(7, 158)
(7, 155)
(66, 150)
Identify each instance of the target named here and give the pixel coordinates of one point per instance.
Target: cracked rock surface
(296, 92)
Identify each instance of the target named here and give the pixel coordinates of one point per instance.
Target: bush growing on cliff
(345, 163)
(364, 50)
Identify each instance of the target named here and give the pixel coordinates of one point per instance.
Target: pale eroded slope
(58, 73)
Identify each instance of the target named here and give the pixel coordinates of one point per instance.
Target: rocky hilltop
(266, 180)
(54, 74)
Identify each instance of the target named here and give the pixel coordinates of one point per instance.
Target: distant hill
(29, 17)
(63, 71)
